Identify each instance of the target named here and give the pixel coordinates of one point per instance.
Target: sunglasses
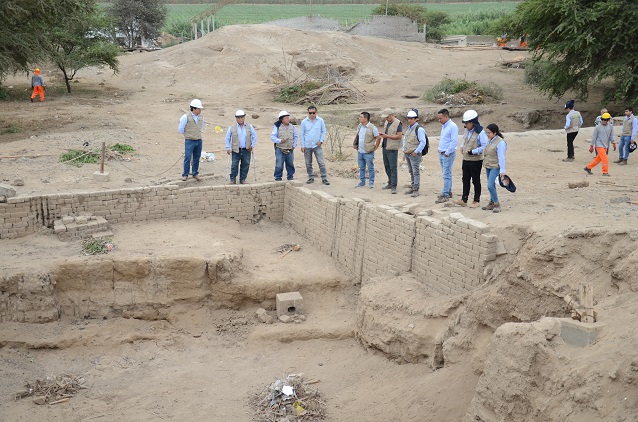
(312, 112)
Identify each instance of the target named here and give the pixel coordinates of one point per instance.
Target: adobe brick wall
(448, 255)
(24, 215)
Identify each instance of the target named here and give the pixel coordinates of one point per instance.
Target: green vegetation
(472, 92)
(584, 42)
(121, 148)
(97, 246)
(294, 92)
(76, 157)
(11, 129)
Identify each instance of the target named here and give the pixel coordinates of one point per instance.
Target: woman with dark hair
(494, 162)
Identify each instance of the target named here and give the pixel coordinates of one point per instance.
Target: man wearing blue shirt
(447, 152)
(284, 136)
(191, 126)
(312, 134)
(240, 141)
(366, 143)
(573, 122)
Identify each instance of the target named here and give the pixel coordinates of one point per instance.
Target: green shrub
(122, 148)
(11, 129)
(294, 92)
(97, 246)
(447, 87)
(76, 157)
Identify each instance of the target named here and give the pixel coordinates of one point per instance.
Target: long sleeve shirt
(634, 126)
(312, 132)
(500, 153)
(420, 135)
(603, 135)
(184, 119)
(482, 141)
(241, 135)
(449, 137)
(362, 135)
(37, 80)
(568, 121)
(275, 130)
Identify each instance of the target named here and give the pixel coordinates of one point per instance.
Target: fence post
(195, 29)
(213, 22)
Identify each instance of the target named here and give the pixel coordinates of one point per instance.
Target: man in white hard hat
(414, 143)
(284, 137)
(312, 134)
(472, 146)
(390, 147)
(191, 126)
(240, 141)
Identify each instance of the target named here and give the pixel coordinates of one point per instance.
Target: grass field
(464, 15)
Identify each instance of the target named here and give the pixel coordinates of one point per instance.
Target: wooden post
(587, 300)
(103, 155)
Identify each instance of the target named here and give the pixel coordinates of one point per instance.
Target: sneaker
(276, 180)
(387, 187)
(325, 182)
(243, 182)
(232, 182)
(568, 159)
(310, 181)
(441, 199)
(474, 204)
(393, 190)
(496, 207)
(606, 174)
(184, 178)
(623, 162)
(461, 203)
(199, 179)
(618, 161)
(415, 193)
(489, 206)
(588, 171)
(371, 185)
(409, 191)
(360, 185)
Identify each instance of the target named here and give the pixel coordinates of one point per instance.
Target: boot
(618, 161)
(461, 203)
(496, 207)
(489, 206)
(415, 193)
(409, 191)
(623, 162)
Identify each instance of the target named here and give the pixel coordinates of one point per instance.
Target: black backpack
(427, 141)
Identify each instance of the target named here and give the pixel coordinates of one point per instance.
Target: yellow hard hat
(37, 69)
(606, 116)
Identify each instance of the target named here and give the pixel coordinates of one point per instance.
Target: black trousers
(570, 144)
(472, 172)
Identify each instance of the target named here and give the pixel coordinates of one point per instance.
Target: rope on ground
(150, 175)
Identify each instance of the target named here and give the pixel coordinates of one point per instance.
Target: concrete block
(579, 333)
(101, 177)
(289, 303)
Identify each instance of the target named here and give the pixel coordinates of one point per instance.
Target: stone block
(101, 177)
(289, 303)
(7, 191)
(579, 333)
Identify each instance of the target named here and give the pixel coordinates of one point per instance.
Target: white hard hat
(240, 113)
(283, 113)
(469, 115)
(196, 103)
(412, 113)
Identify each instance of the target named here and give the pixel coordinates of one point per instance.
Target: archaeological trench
(434, 288)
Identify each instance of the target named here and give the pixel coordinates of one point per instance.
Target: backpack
(427, 141)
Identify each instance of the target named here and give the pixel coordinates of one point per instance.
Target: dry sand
(204, 363)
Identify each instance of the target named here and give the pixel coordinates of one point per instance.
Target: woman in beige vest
(494, 163)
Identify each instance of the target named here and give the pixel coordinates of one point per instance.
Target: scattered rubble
(53, 390)
(290, 399)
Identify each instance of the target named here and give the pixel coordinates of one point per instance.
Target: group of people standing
(479, 147)
(602, 138)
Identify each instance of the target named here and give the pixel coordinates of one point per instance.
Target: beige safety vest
(627, 125)
(392, 144)
(285, 132)
(193, 131)
(234, 139)
(491, 155)
(575, 121)
(469, 145)
(411, 139)
(369, 141)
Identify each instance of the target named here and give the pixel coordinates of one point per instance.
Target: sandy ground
(204, 363)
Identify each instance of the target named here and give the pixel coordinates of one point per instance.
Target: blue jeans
(192, 151)
(318, 151)
(366, 159)
(492, 174)
(623, 148)
(414, 163)
(288, 160)
(446, 167)
(242, 156)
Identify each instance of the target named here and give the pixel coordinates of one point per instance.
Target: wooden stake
(103, 155)
(587, 300)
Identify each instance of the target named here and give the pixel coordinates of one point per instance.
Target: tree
(72, 46)
(419, 14)
(582, 42)
(138, 19)
(23, 29)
